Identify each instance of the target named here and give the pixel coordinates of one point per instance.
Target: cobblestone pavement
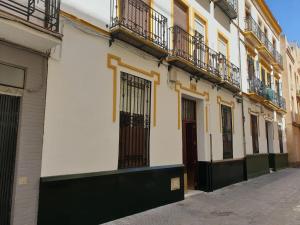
(272, 199)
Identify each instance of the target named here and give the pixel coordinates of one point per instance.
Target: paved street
(272, 199)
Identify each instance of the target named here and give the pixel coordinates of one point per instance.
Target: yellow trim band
(151, 74)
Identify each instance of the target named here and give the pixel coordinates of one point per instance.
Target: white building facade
(147, 100)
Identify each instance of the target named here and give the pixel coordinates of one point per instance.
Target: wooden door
(254, 132)
(189, 140)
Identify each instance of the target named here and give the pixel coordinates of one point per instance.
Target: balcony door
(254, 132)
(135, 15)
(182, 40)
(200, 36)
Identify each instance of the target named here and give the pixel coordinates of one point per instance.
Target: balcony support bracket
(111, 41)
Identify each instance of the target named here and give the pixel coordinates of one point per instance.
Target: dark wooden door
(254, 132)
(189, 139)
(9, 117)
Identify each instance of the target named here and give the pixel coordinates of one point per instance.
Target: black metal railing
(44, 13)
(257, 86)
(233, 4)
(228, 71)
(251, 25)
(194, 50)
(140, 18)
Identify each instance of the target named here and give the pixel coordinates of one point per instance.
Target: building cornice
(269, 16)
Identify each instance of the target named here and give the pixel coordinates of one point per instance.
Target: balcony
(229, 7)
(137, 24)
(260, 92)
(258, 39)
(296, 119)
(30, 23)
(191, 55)
(252, 32)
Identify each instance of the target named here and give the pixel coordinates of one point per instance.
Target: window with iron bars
(135, 115)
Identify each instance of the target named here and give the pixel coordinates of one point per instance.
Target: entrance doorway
(9, 118)
(189, 143)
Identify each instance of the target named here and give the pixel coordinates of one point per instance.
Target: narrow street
(272, 199)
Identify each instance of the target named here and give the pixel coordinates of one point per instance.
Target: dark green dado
(95, 198)
(215, 175)
(257, 165)
(278, 161)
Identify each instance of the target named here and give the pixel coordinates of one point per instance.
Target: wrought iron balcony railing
(44, 13)
(258, 87)
(251, 25)
(139, 18)
(229, 7)
(193, 50)
(228, 71)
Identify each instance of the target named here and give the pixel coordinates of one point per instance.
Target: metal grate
(194, 50)
(9, 118)
(227, 132)
(140, 18)
(135, 110)
(44, 13)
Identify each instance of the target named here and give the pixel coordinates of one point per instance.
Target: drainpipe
(243, 111)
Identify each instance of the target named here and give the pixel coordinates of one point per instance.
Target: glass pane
(11, 76)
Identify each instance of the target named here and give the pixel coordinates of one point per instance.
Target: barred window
(227, 132)
(135, 109)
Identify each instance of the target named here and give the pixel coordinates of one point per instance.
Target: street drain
(221, 213)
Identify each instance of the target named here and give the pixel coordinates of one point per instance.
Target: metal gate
(9, 118)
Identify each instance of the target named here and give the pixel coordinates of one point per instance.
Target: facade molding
(114, 67)
(192, 89)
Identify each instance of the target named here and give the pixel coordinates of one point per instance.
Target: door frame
(186, 122)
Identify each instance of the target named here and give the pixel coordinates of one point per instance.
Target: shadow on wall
(222, 18)
(205, 4)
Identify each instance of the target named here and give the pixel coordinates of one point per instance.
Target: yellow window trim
(197, 15)
(186, 4)
(254, 113)
(113, 63)
(193, 90)
(222, 36)
(230, 104)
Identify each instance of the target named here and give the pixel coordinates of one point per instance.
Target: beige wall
(291, 58)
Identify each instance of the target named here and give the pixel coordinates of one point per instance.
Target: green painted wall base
(257, 165)
(278, 161)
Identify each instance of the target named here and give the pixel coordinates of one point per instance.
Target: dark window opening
(227, 132)
(135, 109)
(254, 132)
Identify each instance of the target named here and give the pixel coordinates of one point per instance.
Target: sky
(287, 12)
